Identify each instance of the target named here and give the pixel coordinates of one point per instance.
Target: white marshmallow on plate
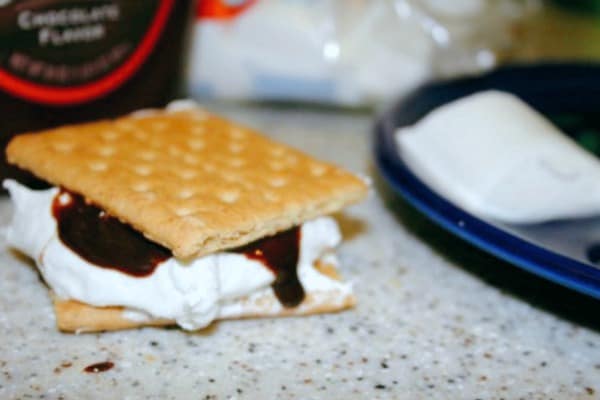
(494, 156)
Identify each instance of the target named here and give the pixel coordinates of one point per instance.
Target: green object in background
(592, 6)
(566, 121)
(583, 128)
(590, 140)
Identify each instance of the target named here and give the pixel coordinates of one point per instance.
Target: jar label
(67, 52)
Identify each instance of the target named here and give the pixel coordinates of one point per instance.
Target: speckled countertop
(436, 318)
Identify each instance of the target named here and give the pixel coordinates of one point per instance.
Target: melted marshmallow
(192, 293)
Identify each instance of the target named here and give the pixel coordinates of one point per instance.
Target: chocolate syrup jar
(66, 61)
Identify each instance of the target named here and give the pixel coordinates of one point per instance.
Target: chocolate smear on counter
(99, 367)
(279, 253)
(103, 240)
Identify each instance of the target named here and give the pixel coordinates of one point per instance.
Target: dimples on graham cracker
(188, 180)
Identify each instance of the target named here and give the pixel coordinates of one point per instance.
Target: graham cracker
(188, 180)
(74, 316)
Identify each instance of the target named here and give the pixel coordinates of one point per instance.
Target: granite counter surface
(436, 319)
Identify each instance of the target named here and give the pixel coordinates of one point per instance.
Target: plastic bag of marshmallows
(342, 52)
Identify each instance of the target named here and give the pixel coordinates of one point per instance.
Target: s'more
(178, 216)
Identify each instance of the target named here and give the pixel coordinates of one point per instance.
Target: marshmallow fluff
(494, 156)
(192, 293)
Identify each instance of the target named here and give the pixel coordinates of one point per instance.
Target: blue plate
(565, 252)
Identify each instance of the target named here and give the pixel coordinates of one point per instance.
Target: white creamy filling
(191, 293)
(493, 155)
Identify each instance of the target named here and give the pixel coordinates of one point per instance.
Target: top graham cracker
(188, 180)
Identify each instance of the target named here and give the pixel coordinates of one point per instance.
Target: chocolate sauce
(108, 243)
(280, 253)
(104, 240)
(99, 367)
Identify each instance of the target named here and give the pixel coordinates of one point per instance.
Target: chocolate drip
(104, 240)
(280, 253)
(108, 243)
